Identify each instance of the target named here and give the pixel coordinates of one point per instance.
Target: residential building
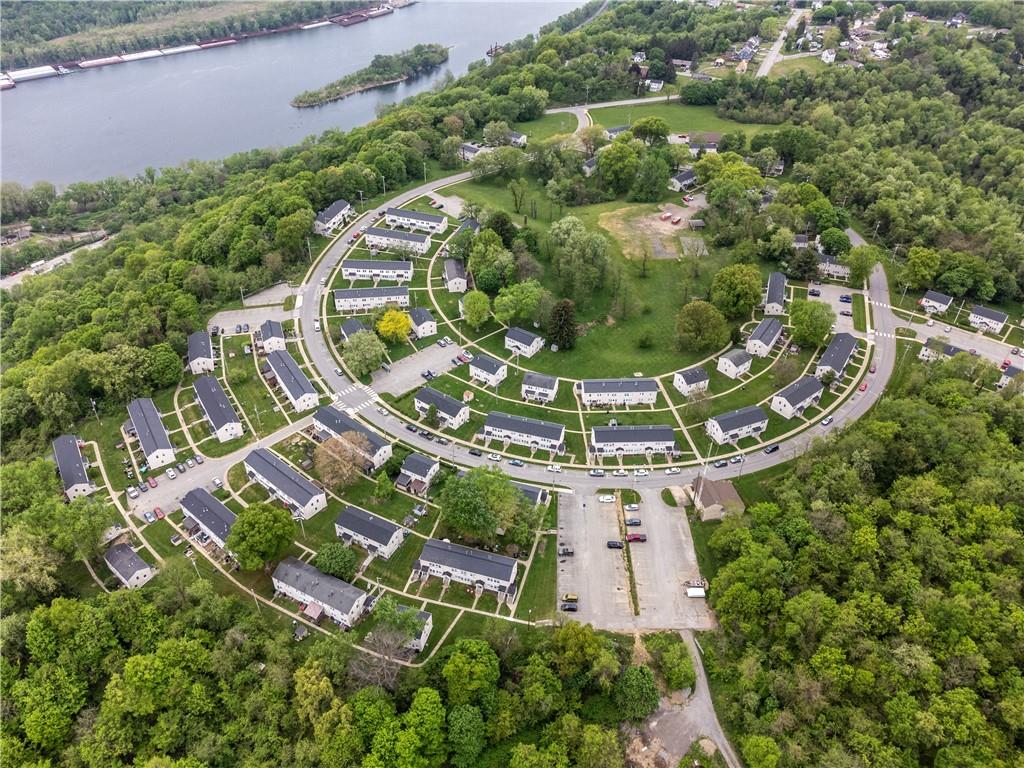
(794, 399)
(272, 336)
(154, 442)
(423, 323)
(639, 57)
(374, 269)
(330, 423)
(536, 496)
(294, 490)
(632, 440)
(130, 569)
(1009, 373)
(71, 467)
(715, 498)
(428, 222)
(387, 239)
(735, 363)
(605, 392)
(216, 408)
(987, 320)
(935, 302)
(200, 352)
(468, 151)
(487, 369)
(775, 294)
(521, 342)
(837, 356)
(828, 56)
(708, 148)
(934, 349)
(534, 434)
(417, 473)
(691, 380)
(539, 387)
(764, 337)
(800, 242)
(351, 327)
(611, 133)
(204, 512)
(829, 266)
(378, 536)
(426, 625)
(685, 179)
(453, 562)
(332, 217)
(451, 414)
(296, 385)
(589, 166)
(735, 425)
(365, 299)
(455, 276)
(471, 225)
(517, 139)
(322, 594)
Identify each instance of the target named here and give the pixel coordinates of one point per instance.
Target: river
(121, 119)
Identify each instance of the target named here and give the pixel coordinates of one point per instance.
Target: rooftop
(521, 336)
(545, 430)
(285, 480)
(694, 375)
(767, 331)
(289, 375)
(417, 464)
(432, 218)
(619, 385)
(739, 418)
(800, 390)
(738, 357)
(148, 428)
(376, 529)
(776, 291)
(839, 351)
(214, 402)
(321, 588)
(419, 316)
(540, 381)
(352, 326)
(331, 211)
(938, 298)
(204, 508)
(271, 329)
(487, 364)
(124, 561)
(474, 561)
(643, 433)
(989, 314)
(454, 269)
(396, 234)
(69, 461)
(716, 492)
(340, 422)
(445, 404)
(199, 345)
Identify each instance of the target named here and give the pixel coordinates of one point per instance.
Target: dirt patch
(641, 658)
(654, 233)
(609, 321)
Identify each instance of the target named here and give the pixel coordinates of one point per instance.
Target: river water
(121, 119)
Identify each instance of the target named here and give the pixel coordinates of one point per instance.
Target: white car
(620, 473)
(557, 468)
(632, 507)
(494, 457)
(467, 355)
(170, 473)
(640, 473)
(947, 329)
(133, 492)
(323, 281)
(673, 471)
(826, 421)
(606, 498)
(448, 340)
(930, 322)
(316, 326)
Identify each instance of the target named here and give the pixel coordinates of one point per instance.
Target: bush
(671, 659)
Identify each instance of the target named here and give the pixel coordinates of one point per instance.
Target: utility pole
(384, 182)
(424, 170)
(309, 252)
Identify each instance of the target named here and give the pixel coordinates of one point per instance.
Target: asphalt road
(776, 49)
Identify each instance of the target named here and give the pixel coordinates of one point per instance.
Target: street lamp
(384, 182)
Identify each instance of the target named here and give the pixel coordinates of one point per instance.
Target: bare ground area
(649, 232)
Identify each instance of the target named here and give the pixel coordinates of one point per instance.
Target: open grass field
(681, 118)
(547, 126)
(812, 65)
(538, 598)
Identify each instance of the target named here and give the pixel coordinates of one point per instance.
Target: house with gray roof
(632, 440)
(487, 369)
(522, 342)
(611, 133)
(272, 338)
(329, 422)
(800, 242)
(535, 434)
(322, 594)
(130, 569)
(735, 363)
(935, 302)
(598, 393)
(935, 349)
(296, 385)
(200, 352)
(1009, 373)
(423, 323)
(428, 222)
(451, 414)
(71, 467)
(775, 294)
(365, 299)
(455, 275)
(764, 337)
(382, 239)
(473, 567)
(149, 430)
(685, 179)
(204, 512)
(417, 473)
(837, 356)
(517, 139)
(539, 387)
(351, 327)
(589, 166)
(534, 494)
(830, 266)
(294, 490)
(377, 535)
(376, 269)
(425, 625)
(332, 217)
(987, 319)
(469, 224)
(735, 425)
(216, 408)
(691, 380)
(797, 397)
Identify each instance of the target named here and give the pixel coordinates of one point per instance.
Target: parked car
(620, 472)
(143, 488)
(846, 298)
(636, 537)
(930, 322)
(338, 372)
(516, 463)
(566, 551)
(606, 498)
(238, 328)
(735, 459)
(448, 340)
(218, 483)
(632, 507)
(640, 473)
(570, 607)
(190, 464)
(556, 468)
(771, 449)
(181, 468)
(673, 471)
(152, 482)
(133, 492)
(170, 473)
(494, 457)
(863, 387)
(411, 427)
(149, 517)
(569, 597)
(199, 459)
(442, 343)
(1015, 351)
(245, 328)
(596, 473)
(615, 545)
(826, 421)
(159, 513)
(721, 463)
(443, 441)
(475, 452)
(813, 292)
(633, 522)
(872, 368)
(846, 313)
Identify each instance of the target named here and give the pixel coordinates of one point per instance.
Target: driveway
(275, 294)
(254, 317)
(405, 373)
(830, 295)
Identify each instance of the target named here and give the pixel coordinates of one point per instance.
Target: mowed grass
(538, 598)
(812, 65)
(548, 126)
(681, 118)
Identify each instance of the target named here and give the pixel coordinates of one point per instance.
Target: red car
(159, 513)
(152, 482)
(636, 537)
(1006, 364)
(872, 368)
(863, 387)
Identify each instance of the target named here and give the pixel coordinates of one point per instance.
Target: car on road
(930, 322)
(636, 537)
(475, 452)
(133, 492)
(735, 459)
(337, 372)
(606, 498)
(826, 421)
(640, 473)
(846, 313)
(566, 551)
(620, 473)
(872, 368)
(596, 473)
(515, 462)
(570, 607)
(632, 507)
(1015, 351)
(149, 517)
(238, 328)
(973, 351)
(947, 329)
(569, 597)
(863, 387)
(382, 410)
(673, 471)
(181, 468)
(846, 299)
(411, 427)
(217, 483)
(720, 463)
(199, 459)
(633, 522)
(813, 292)
(323, 280)
(170, 474)
(771, 449)
(442, 343)
(494, 457)
(614, 544)
(442, 440)
(556, 468)
(316, 326)
(159, 513)
(152, 482)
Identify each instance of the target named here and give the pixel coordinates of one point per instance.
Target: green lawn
(538, 597)
(812, 65)
(860, 320)
(757, 486)
(547, 126)
(681, 118)
(394, 572)
(250, 391)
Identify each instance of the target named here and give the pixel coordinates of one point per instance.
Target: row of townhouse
(417, 473)
(126, 565)
(539, 387)
(378, 238)
(365, 299)
(374, 269)
(377, 535)
(320, 593)
(633, 440)
(472, 567)
(981, 318)
(145, 426)
(797, 397)
(734, 363)
(280, 367)
(217, 410)
(423, 323)
(455, 276)
(691, 380)
(71, 466)
(451, 414)
(610, 392)
(200, 353)
(208, 514)
(434, 223)
(294, 490)
(330, 423)
(522, 342)
(332, 217)
(775, 294)
(270, 336)
(535, 434)
(764, 337)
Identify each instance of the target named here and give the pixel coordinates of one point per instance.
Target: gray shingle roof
(776, 291)
(281, 476)
(738, 357)
(800, 390)
(331, 211)
(540, 381)
(616, 130)
(419, 316)
(989, 314)
(214, 402)
(289, 375)
(739, 418)
(383, 291)
(659, 433)
(124, 561)
(619, 385)
(396, 234)
(376, 529)
(521, 336)
(378, 265)
(685, 176)
(199, 345)
(472, 224)
(487, 364)
(445, 404)
(938, 298)
(351, 327)
(271, 329)
(340, 422)
(532, 493)
(474, 561)
(322, 588)
(417, 464)
(1012, 372)
(431, 218)
(148, 427)
(694, 375)
(839, 351)
(947, 349)
(203, 507)
(767, 331)
(69, 461)
(800, 240)
(453, 269)
(546, 430)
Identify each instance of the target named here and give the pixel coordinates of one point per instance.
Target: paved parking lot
(254, 317)
(830, 295)
(405, 374)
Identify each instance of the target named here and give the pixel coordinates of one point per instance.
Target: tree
(496, 133)
(426, 717)
(921, 267)
(363, 353)
(500, 223)
(260, 535)
(482, 500)
(635, 693)
(861, 260)
(617, 166)
(384, 489)
(395, 326)
(517, 301)
(337, 559)
(599, 748)
(490, 262)
(811, 321)
(592, 138)
(339, 461)
(736, 289)
(518, 188)
(784, 371)
(760, 751)
(778, 247)
(29, 563)
(700, 327)
(582, 263)
(562, 328)
(650, 130)
(394, 627)
(466, 735)
(471, 674)
(476, 308)
(651, 180)
(835, 241)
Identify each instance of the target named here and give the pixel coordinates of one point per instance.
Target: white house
(451, 414)
(149, 430)
(200, 352)
(539, 387)
(517, 139)
(217, 409)
(829, 266)
(708, 148)
(828, 56)
(935, 302)
(691, 380)
(934, 349)
(655, 86)
(330, 423)
(296, 385)
(611, 133)
(488, 370)
(453, 562)
(423, 323)
(332, 217)
(715, 498)
(130, 569)
(203, 512)
(297, 493)
(800, 242)
(632, 440)
(426, 625)
(417, 473)
(322, 594)
(734, 425)
(837, 356)
(386, 239)
(365, 299)
(775, 294)
(272, 336)
(605, 392)
(534, 434)
(469, 224)
(71, 467)
(794, 399)
(639, 57)
(589, 166)
(521, 342)
(468, 151)
(455, 276)
(987, 320)
(373, 269)
(685, 179)
(428, 222)
(1009, 373)
(735, 363)
(764, 337)
(377, 535)
(351, 327)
